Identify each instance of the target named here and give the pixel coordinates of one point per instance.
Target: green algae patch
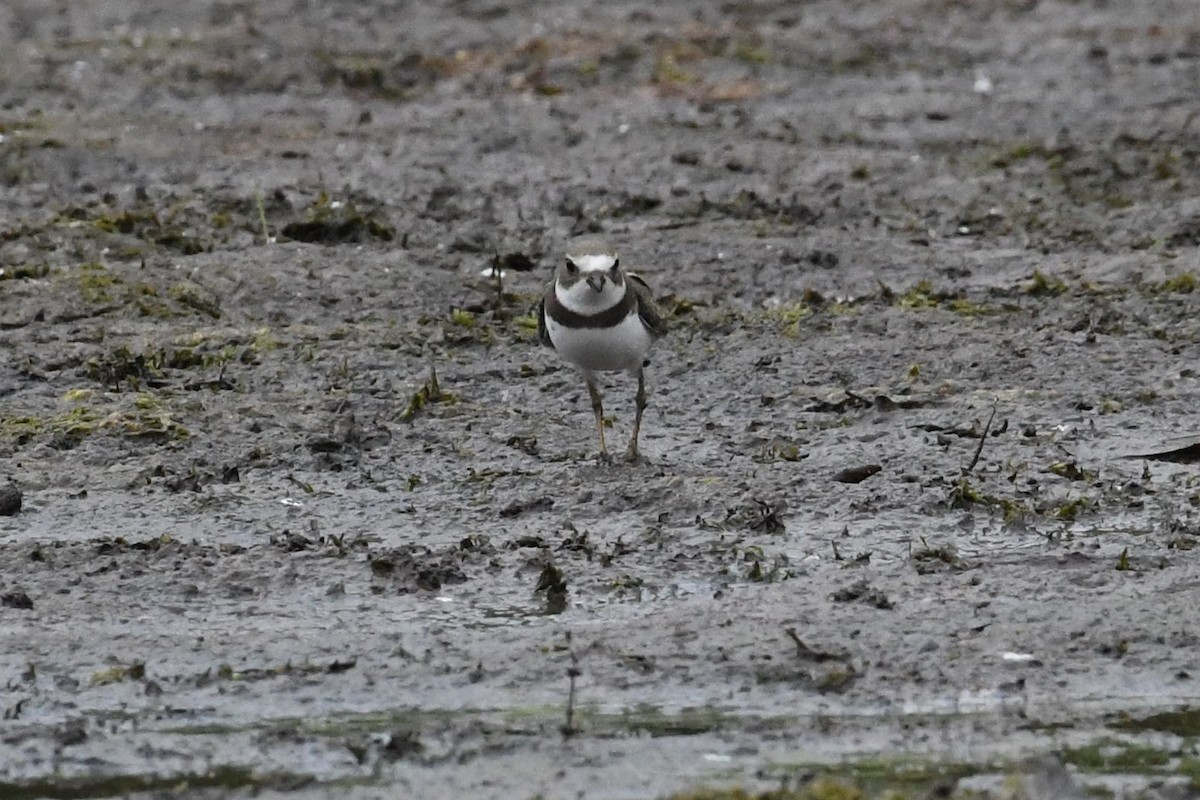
(1043, 285)
(164, 227)
(1113, 756)
(94, 288)
(650, 721)
(430, 393)
(97, 284)
(642, 720)
(965, 494)
(218, 778)
(1184, 722)
(923, 295)
(1183, 283)
(157, 367)
(820, 789)
(789, 316)
(119, 673)
(884, 779)
(141, 416)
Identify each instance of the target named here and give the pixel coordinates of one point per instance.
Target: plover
(601, 319)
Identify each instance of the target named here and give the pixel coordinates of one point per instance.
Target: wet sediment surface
(291, 467)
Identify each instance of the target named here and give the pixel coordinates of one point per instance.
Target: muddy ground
(293, 469)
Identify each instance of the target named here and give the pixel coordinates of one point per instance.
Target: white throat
(583, 299)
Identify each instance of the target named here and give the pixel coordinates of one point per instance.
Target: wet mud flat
(306, 512)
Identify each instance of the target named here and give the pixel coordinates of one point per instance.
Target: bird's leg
(598, 410)
(632, 453)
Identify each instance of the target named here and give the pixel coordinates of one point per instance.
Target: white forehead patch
(591, 263)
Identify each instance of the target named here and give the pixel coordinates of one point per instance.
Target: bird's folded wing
(543, 333)
(648, 310)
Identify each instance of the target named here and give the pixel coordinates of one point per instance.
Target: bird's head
(594, 281)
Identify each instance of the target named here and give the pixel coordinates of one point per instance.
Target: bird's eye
(616, 263)
(571, 267)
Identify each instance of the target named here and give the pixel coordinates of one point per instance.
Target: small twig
(573, 672)
(858, 398)
(498, 274)
(804, 651)
(982, 439)
(262, 216)
(430, 392)
(435, 389)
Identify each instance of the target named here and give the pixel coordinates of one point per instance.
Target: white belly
(603, 349)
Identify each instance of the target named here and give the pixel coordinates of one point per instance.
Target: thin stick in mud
(982, 438)
(568, 729)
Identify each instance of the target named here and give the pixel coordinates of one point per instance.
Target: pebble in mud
(18, 600)
(10, 500)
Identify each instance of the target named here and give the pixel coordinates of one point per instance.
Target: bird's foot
(632, 456)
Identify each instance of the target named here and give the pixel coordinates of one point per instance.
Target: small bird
(601, 319)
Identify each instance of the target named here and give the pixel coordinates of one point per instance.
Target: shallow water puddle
(890, 752)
